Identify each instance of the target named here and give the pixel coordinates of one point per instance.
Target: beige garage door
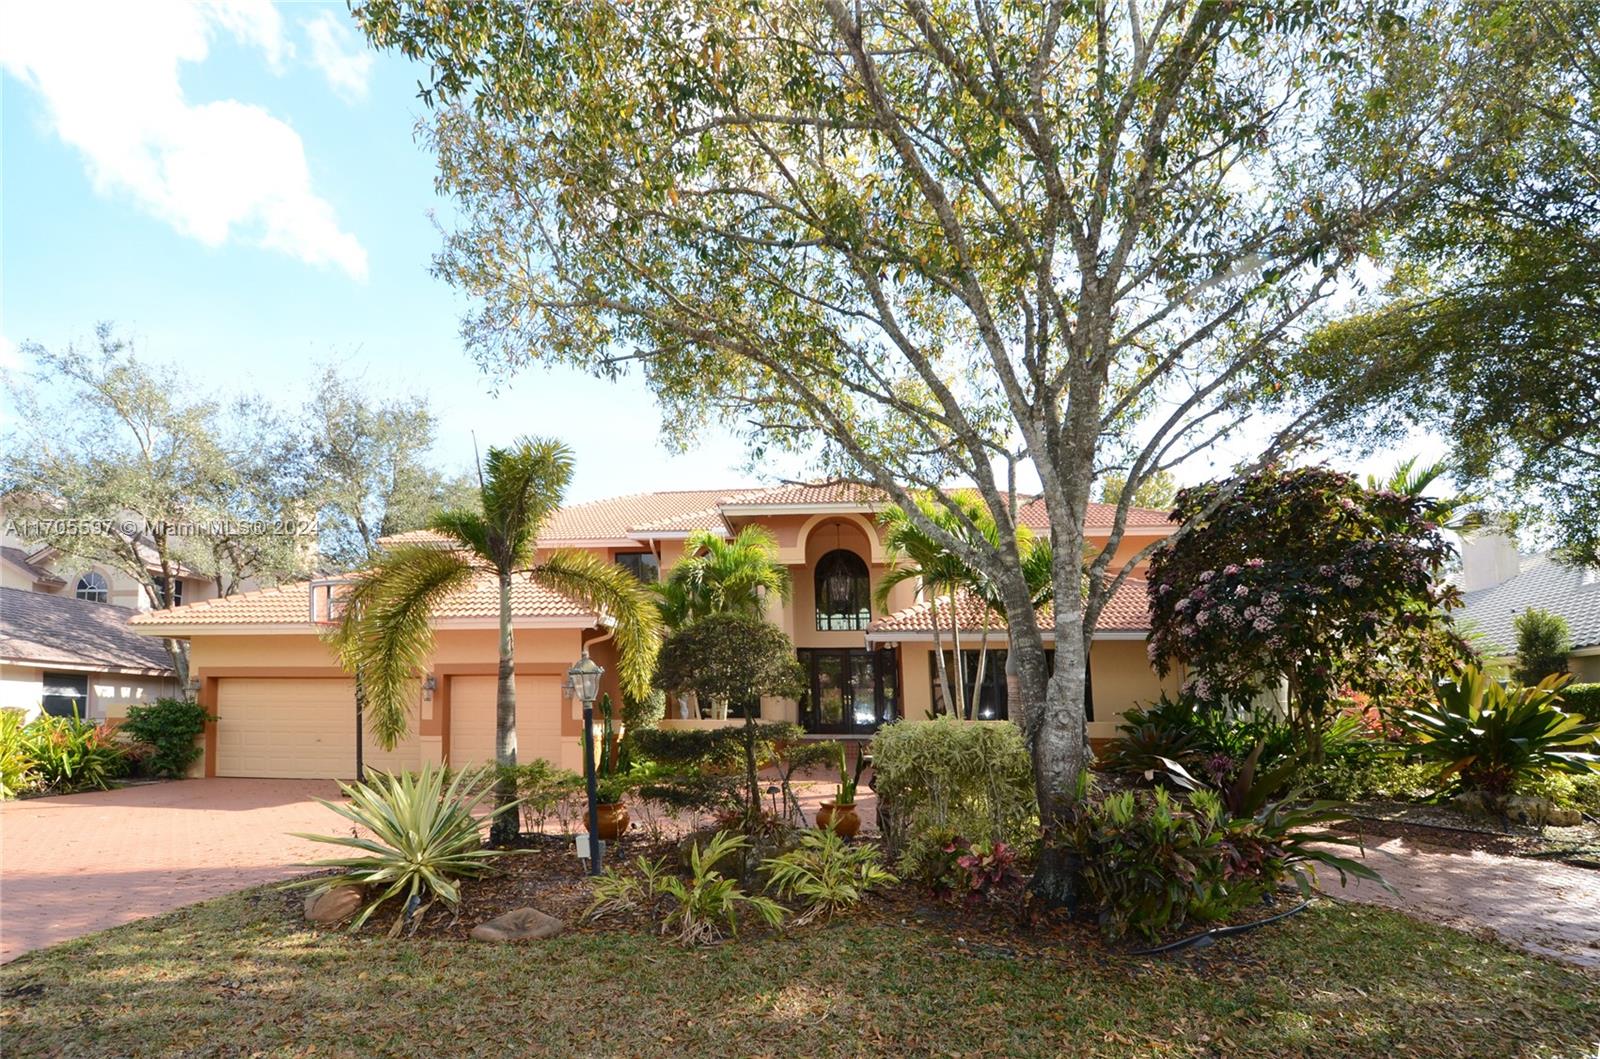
(539, 707)
(297, 728)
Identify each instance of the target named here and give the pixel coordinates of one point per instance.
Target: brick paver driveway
(77, 864)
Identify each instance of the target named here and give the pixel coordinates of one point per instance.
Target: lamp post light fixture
(584, 680)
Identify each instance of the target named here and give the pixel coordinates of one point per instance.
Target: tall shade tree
(916, 241)
(108, 461)
(1488, 329)
(385, 634)
(366, 470)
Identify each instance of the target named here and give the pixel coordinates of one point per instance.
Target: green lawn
(239, 976)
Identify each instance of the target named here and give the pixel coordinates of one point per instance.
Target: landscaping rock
(521, 924)
(334, 906)
(1529, 810)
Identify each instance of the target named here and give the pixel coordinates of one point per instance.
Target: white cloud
(341, 55)
(214, 171)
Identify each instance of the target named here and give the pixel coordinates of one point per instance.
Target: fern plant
(826, 875)
(709, 902)
(425, 836)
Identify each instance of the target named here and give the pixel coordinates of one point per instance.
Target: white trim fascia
(186, 630)
(586, 542)
(678, 535)
(1585, 652)
(803, 509)
(994, 639)
(85, 667)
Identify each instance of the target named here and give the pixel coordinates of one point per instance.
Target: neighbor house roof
(1573, 592)
(22, 560)
(291, 605)
(46, 630)
(1127, 611)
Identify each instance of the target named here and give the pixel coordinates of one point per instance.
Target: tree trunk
(938, 658)
(955, 651)
(504, 830)
(983, 667)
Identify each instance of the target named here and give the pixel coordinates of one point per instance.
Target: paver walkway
(1544, 907)
(85, 862)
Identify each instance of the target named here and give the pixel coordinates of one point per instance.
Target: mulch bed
(546, 875)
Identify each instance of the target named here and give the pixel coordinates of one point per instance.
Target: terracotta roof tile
(804, 494)
(1097, 517)
(291, 605)
(1126, 611)
(640, 514)
(709, 519)
(611, 519)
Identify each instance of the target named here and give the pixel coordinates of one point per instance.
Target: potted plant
(840, 814)
(611, 776)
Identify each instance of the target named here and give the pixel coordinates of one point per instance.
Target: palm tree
(721, 576)
(385, 634)
(1037, 571)
(918, 557)
(1454, 512)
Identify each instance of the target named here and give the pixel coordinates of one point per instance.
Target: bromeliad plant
(1492, 738)
(425, 836)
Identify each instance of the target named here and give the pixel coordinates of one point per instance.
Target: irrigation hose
(1208, 937)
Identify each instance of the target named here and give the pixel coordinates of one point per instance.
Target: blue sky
(243, 266)
(236, 185)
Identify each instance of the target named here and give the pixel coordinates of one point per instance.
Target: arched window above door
(843, 592)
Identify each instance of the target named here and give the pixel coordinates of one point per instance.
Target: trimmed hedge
(1582, 698)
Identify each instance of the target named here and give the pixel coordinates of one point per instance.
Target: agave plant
(425, 836)
(1492, 737)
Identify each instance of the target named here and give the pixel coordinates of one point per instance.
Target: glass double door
(851, 690)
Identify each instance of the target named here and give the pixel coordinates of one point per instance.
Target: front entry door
(852, 690)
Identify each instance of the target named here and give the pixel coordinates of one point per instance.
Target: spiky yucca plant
(385, 634)
(425, 836)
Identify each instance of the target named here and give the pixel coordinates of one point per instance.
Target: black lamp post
(584, 679)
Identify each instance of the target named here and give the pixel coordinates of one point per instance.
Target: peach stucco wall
(1121, 673)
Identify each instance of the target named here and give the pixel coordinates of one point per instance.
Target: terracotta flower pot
(842, 818)
(611, 820)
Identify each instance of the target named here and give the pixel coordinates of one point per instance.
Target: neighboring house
(284, 707)
(66, 655)
(1498, 584)
(34, 567)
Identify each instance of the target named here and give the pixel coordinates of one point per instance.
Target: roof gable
(1544, 584)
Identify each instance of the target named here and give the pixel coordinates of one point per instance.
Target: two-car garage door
(297, 728)
(539, 707)
(304, 727)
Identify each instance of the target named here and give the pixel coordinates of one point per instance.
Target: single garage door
(539, 706)
(297, 728)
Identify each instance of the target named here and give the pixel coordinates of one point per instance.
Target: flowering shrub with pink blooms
(1303, 576)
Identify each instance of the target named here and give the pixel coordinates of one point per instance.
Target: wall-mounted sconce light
(429, 684)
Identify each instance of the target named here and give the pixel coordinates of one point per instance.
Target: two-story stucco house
(284, 708)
